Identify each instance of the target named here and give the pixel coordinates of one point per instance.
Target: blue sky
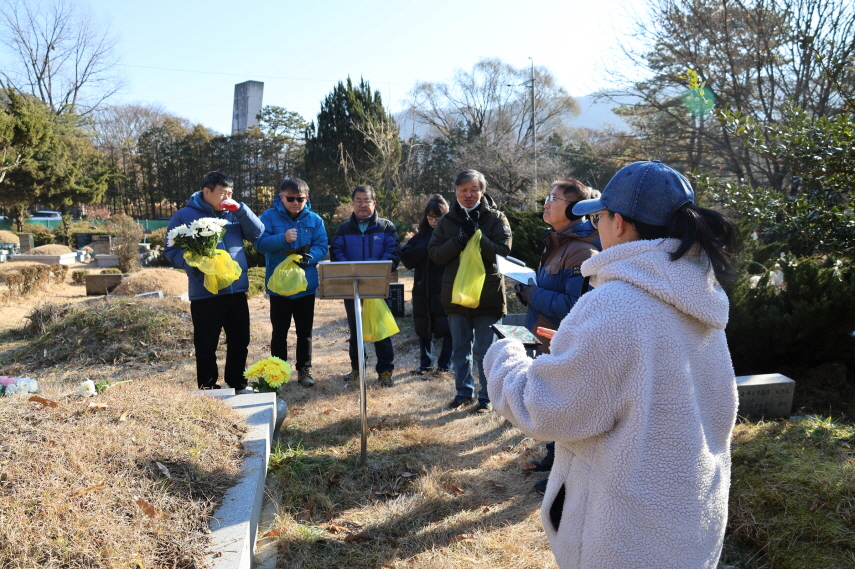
(187, 55)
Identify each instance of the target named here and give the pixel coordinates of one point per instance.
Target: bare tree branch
(63, 56)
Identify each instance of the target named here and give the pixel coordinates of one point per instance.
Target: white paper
(519, 273)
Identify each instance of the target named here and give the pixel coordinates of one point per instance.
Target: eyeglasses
(595, 217)
(551, 198)
(363, 202)
(433, 216)
(298, 199)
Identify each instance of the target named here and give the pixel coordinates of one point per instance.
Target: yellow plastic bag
(288, 278)
(377, 320)
(220, 269)
(469, 279)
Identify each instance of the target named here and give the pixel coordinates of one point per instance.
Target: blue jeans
(466, 334)
(426, 354)
(383, 348)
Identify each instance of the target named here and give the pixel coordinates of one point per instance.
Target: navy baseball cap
(649, 192)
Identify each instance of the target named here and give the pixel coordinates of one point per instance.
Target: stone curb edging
(235, 523)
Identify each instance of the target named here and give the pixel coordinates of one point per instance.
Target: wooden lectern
(356, 280)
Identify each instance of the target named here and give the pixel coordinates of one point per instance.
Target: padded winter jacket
(310, 231)
(378, 243)
(444, 250)
(640, 398)
(429, 318)
(243, 225)
(559, 277)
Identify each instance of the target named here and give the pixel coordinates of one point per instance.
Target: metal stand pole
(363, 408)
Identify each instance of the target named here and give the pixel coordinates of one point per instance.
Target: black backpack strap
(585, 286)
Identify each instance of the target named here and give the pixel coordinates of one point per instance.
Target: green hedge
(803, 330)
(527, 228)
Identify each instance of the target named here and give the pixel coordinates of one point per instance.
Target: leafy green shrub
(253, 257)
(527, 228)
(79, 276)
(42, 235)
(806, 323)
(257, 281)
(792, 495)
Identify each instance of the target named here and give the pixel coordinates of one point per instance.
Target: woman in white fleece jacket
(639, 392)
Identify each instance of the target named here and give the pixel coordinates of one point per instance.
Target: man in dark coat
(470, 327)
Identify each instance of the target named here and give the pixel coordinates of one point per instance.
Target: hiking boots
(352, 376)
(459, 402)
(385, 378)
(304, 378)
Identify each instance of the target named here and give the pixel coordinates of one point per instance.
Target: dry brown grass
(9, 237)
(52, 249)
(171, 282)
(81, 485)
(441, 488)
(405, 502)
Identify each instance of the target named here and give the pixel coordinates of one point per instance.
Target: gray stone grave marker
(26, 240)
(102, 244)
(767, 395)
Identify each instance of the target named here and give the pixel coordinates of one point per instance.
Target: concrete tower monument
(247, 105)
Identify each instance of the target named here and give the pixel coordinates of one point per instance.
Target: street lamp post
(533, 124)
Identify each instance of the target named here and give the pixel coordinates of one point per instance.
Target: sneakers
(459, 402)
(245, 391)
(484, 408)
(304, 378)
(423, 370)
(540, 487)
(385, 378)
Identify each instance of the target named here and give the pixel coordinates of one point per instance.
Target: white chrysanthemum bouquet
(15, 385)
(200, 239)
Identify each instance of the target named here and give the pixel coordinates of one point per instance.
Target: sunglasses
(298, 199)
(595, 217)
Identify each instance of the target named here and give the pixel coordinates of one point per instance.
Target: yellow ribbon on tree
(288, 278)
(220, 269)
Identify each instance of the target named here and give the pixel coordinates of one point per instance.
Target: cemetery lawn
(441, 489)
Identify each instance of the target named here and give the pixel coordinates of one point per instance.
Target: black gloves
(304, 251)
(467, 230)
(524, 291)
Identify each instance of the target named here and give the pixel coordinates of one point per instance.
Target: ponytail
(713, 232)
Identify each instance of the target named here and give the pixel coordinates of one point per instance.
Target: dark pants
(303, 310)
(443, 363)
(229, 312)
(383, 348)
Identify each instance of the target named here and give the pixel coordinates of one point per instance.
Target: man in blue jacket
(290, 227)
(367, 237)
(228, 309)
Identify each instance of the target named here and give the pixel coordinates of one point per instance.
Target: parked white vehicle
(46, 215)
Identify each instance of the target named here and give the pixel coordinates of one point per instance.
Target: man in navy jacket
(367, 237)
(228, 309)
